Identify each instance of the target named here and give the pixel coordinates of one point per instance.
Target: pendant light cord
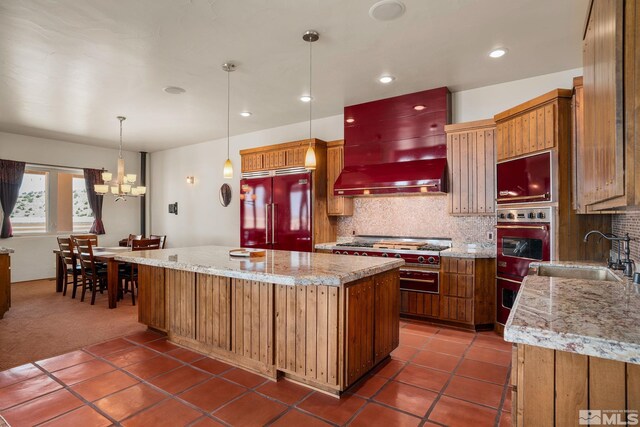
(120, 149)
(228, 108)
(310, 92)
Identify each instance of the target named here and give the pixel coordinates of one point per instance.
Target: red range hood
(396, 145)
(418, 176)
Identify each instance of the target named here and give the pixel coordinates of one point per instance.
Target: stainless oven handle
(509, 280)
(528, 227)
(417, 280)
(417, 270)
(506, 199)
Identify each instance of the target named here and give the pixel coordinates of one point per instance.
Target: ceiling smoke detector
(387, 10)
(174, 90)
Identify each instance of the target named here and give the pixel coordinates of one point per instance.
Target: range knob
(356, 253)
(398, 256)
(510, 216)
(421, 259)
(365, 254)
(431, 260)
(336, 252)
(345, 253)
(540, 215)
(385, 255)
(501, 216)
(531, 215)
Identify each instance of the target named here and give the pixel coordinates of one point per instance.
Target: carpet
(41, 323)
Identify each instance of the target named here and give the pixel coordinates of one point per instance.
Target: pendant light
(122, 186)
(310, 158)
(227, 172)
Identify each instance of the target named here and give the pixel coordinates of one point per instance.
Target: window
(30, 213)
(82, 216)
(51, 200)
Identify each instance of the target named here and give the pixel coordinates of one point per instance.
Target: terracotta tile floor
(438, 376)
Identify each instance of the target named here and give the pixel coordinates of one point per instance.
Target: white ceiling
(68, 67)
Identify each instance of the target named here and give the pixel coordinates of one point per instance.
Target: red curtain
(11, 174)
(91, 178)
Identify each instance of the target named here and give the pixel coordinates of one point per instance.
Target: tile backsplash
(629, 223)
(419, 216)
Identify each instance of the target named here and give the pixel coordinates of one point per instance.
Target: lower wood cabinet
(152, 308)
(551, 387)
(5, 283)
(466, 297)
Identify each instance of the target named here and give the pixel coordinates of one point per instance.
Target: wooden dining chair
(94, 278)
(129, 275)
(92, 237)
(71, 266)
(133, 237)
(162, 237)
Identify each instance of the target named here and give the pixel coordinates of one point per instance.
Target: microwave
(524, 180)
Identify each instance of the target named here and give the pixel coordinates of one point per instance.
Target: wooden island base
(326, 337)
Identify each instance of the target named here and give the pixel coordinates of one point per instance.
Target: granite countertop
(589, 317)
(280, 267)
(479, 250)
(6, 251)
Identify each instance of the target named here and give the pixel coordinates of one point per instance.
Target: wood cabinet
(467, 292)
(466, 296)
(152, 298)
(336, 205)
(5, 283)
(529, 127)
(611, 144)
(578, 152)
(551, 387)
(471, 167)
(278, 156)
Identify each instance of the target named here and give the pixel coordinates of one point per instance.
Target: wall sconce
(191, 180)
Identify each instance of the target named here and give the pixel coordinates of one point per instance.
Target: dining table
(100, 254)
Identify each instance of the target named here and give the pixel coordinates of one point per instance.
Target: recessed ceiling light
(419, 107)
(246, 114)
(305, 98)
(498, 53)
(174, 90)
(350, 120)
(386, 79)
(387, 10)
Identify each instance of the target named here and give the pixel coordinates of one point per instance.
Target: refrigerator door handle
(266, 220)
(273, 222)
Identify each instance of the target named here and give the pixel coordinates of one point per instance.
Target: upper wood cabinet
(471, 167)
(529, 127)
(279, 156)
(578, 153)
(336, 205)
(611, 58)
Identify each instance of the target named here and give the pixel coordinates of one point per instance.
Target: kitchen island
(320, 319)
(577, 346)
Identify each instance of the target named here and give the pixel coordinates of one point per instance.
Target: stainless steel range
(421, 272)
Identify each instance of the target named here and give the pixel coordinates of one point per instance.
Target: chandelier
(122, 186)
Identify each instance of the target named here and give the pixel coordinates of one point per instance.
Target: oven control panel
(524, 215)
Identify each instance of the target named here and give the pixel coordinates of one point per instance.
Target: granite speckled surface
(6, 251)
(470, 251)
(589, 317)
(280, 267)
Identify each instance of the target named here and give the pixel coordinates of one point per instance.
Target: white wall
(33, 258)
(485, 102)
(202, 220)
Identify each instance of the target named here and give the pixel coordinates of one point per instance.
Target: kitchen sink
(599, 273)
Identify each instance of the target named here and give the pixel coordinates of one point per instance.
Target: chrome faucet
(625, 264)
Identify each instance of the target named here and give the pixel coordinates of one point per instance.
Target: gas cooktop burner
(360, 244)
(356, 244)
